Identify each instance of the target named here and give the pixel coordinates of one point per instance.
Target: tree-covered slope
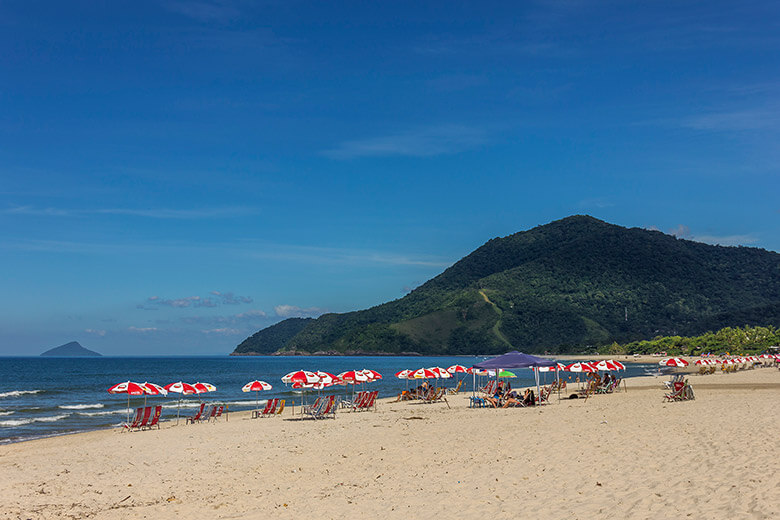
(574, 282)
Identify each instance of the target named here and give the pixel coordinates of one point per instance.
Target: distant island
(571, 285)
(72, 349)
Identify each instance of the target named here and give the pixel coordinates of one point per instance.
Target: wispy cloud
(726, 240)
(293, 311)
(245, 249)
(683, 231)
(142, 330)
(424, 142)
(244, 318)
(224, 331)
(97, 332)
(216, 298)
(735, 120)
(156, 213)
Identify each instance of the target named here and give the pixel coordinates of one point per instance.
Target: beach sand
(625, 455)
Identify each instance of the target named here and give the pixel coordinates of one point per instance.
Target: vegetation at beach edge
(732, 340)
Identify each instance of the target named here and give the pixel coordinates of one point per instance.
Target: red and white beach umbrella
(373, 375)
(154, 389)
(610, 364)
(326, 378)
(558, 366)
(256, 386)
(202, 388)
(301, 376)
(701, 362)
(403, 374)
(182, 388)
(422, 373)
(673, 362)
(440, 373)
(580, 367)
(458, 369)
(129, 388)
(353, 377)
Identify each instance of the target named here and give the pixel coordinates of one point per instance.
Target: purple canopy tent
(517, 359)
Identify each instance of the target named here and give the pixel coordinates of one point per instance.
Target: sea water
(41, 396)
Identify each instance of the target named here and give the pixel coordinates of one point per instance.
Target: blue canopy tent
(517, 359)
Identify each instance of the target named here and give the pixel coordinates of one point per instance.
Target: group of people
(504, 397)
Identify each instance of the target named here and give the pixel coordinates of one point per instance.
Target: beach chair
(316, 405)
(544, 394)
(217, 412)
(322, 407)
(155, 418)
(453, 391)
(477, 402)
(139, 413)
(280, 407)
(360, 401)
(259, 413)
(682, 391)
(271, 411)
(208, 416)
(370, 400)
(145, 419)
(197, 416)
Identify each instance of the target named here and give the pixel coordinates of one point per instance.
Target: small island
(72, 349)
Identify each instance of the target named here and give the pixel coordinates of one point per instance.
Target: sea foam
(21, 422)
(17, 393)
(81, 406)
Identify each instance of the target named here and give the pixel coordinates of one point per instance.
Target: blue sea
(41, 397)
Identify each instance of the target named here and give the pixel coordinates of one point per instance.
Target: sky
(175, 175)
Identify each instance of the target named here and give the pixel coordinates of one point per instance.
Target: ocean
(41, 396)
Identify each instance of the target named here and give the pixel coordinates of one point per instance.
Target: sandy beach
(624, 455)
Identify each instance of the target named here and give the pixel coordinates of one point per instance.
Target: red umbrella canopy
(673, 362)
(422, 373)
(128, 387)
(256, 386)
(353, 376)
(559, 366)
(202, 388)
(181, 388)
(301, 376)
(609, 364)
(458, 369)
(580, 367)
(153, 389)
(403, 374)
(326, 378)
(373, 375)
(440, 372)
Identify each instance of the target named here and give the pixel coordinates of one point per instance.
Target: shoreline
(622, 455)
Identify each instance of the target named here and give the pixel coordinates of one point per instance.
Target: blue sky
(176, 175)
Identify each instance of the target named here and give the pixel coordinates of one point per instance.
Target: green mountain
(72, 349)
(558, 287)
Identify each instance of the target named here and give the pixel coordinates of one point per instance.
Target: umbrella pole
(178, 409)
(128, 409)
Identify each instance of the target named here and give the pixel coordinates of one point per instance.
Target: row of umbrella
(146, 388)
(737, 360)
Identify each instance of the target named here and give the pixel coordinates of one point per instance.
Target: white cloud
(223, 331)
(156, 213)
(293, 311)
(97, 332)
(681, 231)
(751, 119)
(142, 329)
(423, 142)
(726, 240)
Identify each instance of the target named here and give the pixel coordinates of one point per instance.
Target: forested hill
(571, 283)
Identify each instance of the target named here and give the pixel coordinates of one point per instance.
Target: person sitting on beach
(511, 399)
(495, 399)
(529, 399)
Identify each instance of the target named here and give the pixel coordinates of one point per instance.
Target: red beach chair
(139, 412)
(155, 418)
(259, 413)
(197, 416)
(145, 420)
